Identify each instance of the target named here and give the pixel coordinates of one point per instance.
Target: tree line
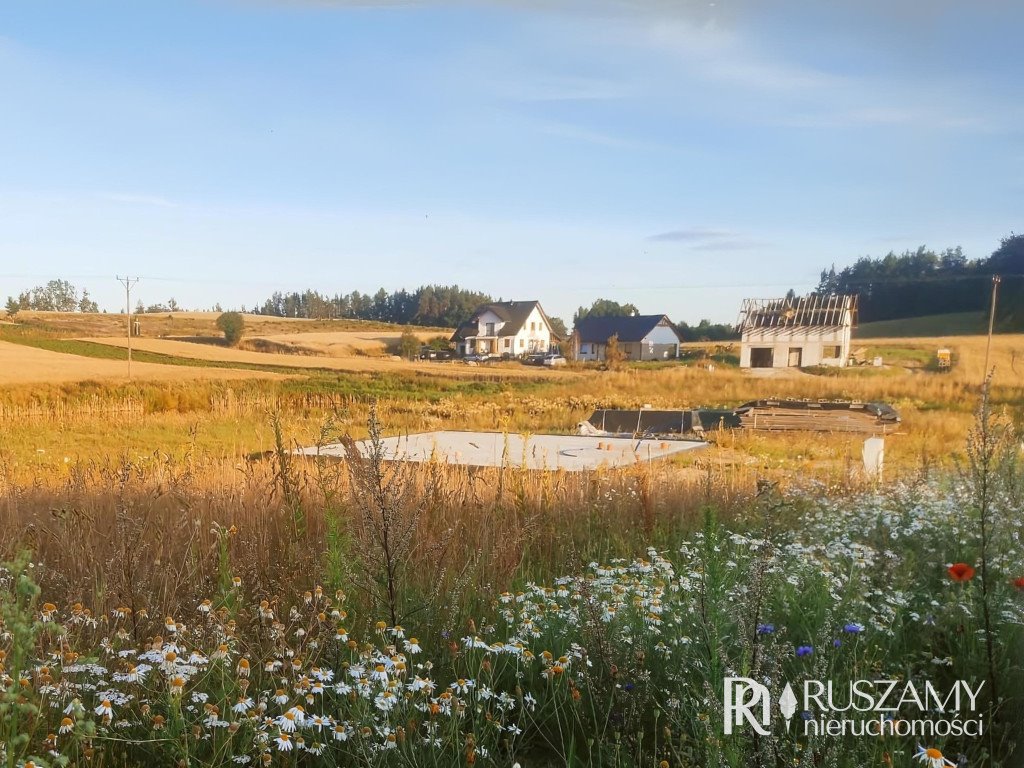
(435, 305)
(55, 296)
(928, 282)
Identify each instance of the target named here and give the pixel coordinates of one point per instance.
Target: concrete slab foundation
(495, 449)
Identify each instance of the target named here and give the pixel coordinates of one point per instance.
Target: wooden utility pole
(991, 320)
(128, 283)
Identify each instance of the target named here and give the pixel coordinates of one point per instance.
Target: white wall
(537, 339)
(811, 342)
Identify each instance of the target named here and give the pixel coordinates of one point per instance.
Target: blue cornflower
(853, 628)
(804, 650)
(765, 629)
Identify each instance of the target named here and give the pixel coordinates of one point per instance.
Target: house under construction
(797, 332)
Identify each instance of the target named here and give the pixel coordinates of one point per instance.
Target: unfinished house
(797, 332)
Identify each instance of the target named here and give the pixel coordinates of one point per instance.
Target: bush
(233, 326)
(409, 345)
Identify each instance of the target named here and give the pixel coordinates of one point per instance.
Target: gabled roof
(817, 310)
(513, 313)
(598, 330)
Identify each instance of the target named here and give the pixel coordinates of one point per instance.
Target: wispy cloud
(707, 239)
(590, 136)
(690, 235)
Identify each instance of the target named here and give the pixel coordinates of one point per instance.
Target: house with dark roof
(639, 337)
(505, 328)
(797, 332)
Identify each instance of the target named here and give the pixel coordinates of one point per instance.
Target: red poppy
(960, 572)
(1019, 583)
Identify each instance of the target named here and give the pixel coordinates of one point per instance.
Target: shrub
(233, 326)
(409, 345)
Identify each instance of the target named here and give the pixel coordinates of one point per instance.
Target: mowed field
(273, 344)
(20, 364)
(342, 351)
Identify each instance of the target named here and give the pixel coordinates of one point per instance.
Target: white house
(797, 332)
(639, 337)
(506, 328)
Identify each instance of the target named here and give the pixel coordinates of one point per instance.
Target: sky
(679, 156)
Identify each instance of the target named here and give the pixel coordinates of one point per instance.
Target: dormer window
(488, 329)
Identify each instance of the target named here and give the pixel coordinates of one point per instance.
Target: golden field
(57, 409)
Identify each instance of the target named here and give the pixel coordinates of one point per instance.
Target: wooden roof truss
(814, 311)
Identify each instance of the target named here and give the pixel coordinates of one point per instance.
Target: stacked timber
(819, 416)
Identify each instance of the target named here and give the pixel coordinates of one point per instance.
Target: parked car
(427, 353)
(554, 359)
(534, 360)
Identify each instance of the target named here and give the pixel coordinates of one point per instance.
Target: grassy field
(87, 410)
(952, 324)
(207, 583)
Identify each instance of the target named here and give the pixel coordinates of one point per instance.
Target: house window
(488, 329)
(831, 352)
(507, 341)
(533, 326)
(522, 343)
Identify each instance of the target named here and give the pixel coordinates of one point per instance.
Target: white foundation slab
(496, 449)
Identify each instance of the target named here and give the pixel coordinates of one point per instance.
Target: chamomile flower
(933, 758)
(284, 742)
(243, 705)
(287, 721)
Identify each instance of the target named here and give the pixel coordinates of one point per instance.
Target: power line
(128, 283)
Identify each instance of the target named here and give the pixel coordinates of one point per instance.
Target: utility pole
(991, 319)
(128, 283)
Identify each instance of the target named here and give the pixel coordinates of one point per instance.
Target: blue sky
(676, 155)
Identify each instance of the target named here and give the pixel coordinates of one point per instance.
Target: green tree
(558, 327)
(606, 308)
(86, 304)
(409, 345)
(12, 306)
(232, 324)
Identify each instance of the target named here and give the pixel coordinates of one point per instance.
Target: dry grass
(143, 532)
(187, 324)
(350, 343)
(348, 361)
(26, 365)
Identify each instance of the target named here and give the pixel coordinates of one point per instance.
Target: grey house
(640, 337)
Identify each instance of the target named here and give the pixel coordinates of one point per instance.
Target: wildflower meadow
(619, 661)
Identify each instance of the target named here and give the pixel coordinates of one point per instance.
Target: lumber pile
(819, 416)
